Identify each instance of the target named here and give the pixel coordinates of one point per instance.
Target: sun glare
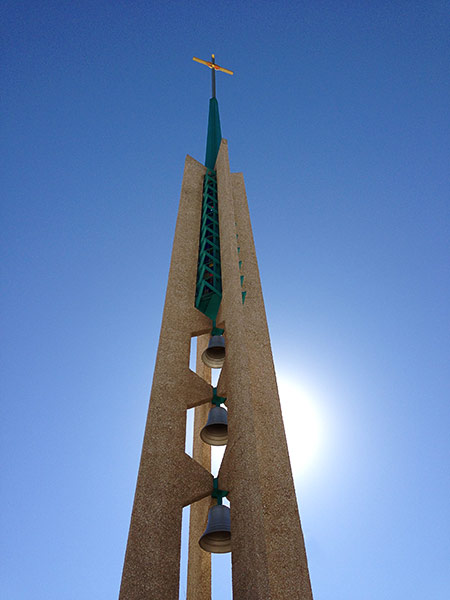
(302, 423)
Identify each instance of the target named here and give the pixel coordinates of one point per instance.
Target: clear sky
(338, 115)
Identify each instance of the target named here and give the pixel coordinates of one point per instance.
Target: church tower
(214, 292)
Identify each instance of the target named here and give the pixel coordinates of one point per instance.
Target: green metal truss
(209, 281)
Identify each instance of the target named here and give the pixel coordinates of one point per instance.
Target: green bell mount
(217, 400)
(216, 493)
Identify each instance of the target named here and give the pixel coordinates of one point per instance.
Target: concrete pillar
(268, 553)
(168, 478)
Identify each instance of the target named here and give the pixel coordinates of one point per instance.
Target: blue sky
(338, 116)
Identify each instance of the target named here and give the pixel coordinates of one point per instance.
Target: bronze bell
(215, 432)
(217, 535)
(214, 355)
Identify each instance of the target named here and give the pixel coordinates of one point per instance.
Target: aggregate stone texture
(168, 478)
(268, 552)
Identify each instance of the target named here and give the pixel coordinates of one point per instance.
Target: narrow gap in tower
(220, 563)
(193, 357)
(193, 354)
(215, 374)
(220, 575)
(190, 412)
(217, 452)
(189, 431)
(184, 552)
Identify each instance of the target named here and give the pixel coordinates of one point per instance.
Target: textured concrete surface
(168, 478)
(268, 554)
(199, 561)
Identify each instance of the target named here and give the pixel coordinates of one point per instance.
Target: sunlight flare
(303, 424)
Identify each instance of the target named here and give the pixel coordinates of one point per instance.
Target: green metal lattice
(209, 282)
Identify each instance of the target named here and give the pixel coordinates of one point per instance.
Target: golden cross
(212, 65)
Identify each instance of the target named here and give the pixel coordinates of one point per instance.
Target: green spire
(214, 134)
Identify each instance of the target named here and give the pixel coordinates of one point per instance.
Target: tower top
(212, 65)
(214, 135)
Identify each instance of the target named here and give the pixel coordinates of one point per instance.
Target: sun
(303, 425)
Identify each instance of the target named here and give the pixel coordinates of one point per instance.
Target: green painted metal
(216, 330)
(209, 282)
(214, 136)
(217, 400)
(216, 493)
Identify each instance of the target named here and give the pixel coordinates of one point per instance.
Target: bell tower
(214, 292)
